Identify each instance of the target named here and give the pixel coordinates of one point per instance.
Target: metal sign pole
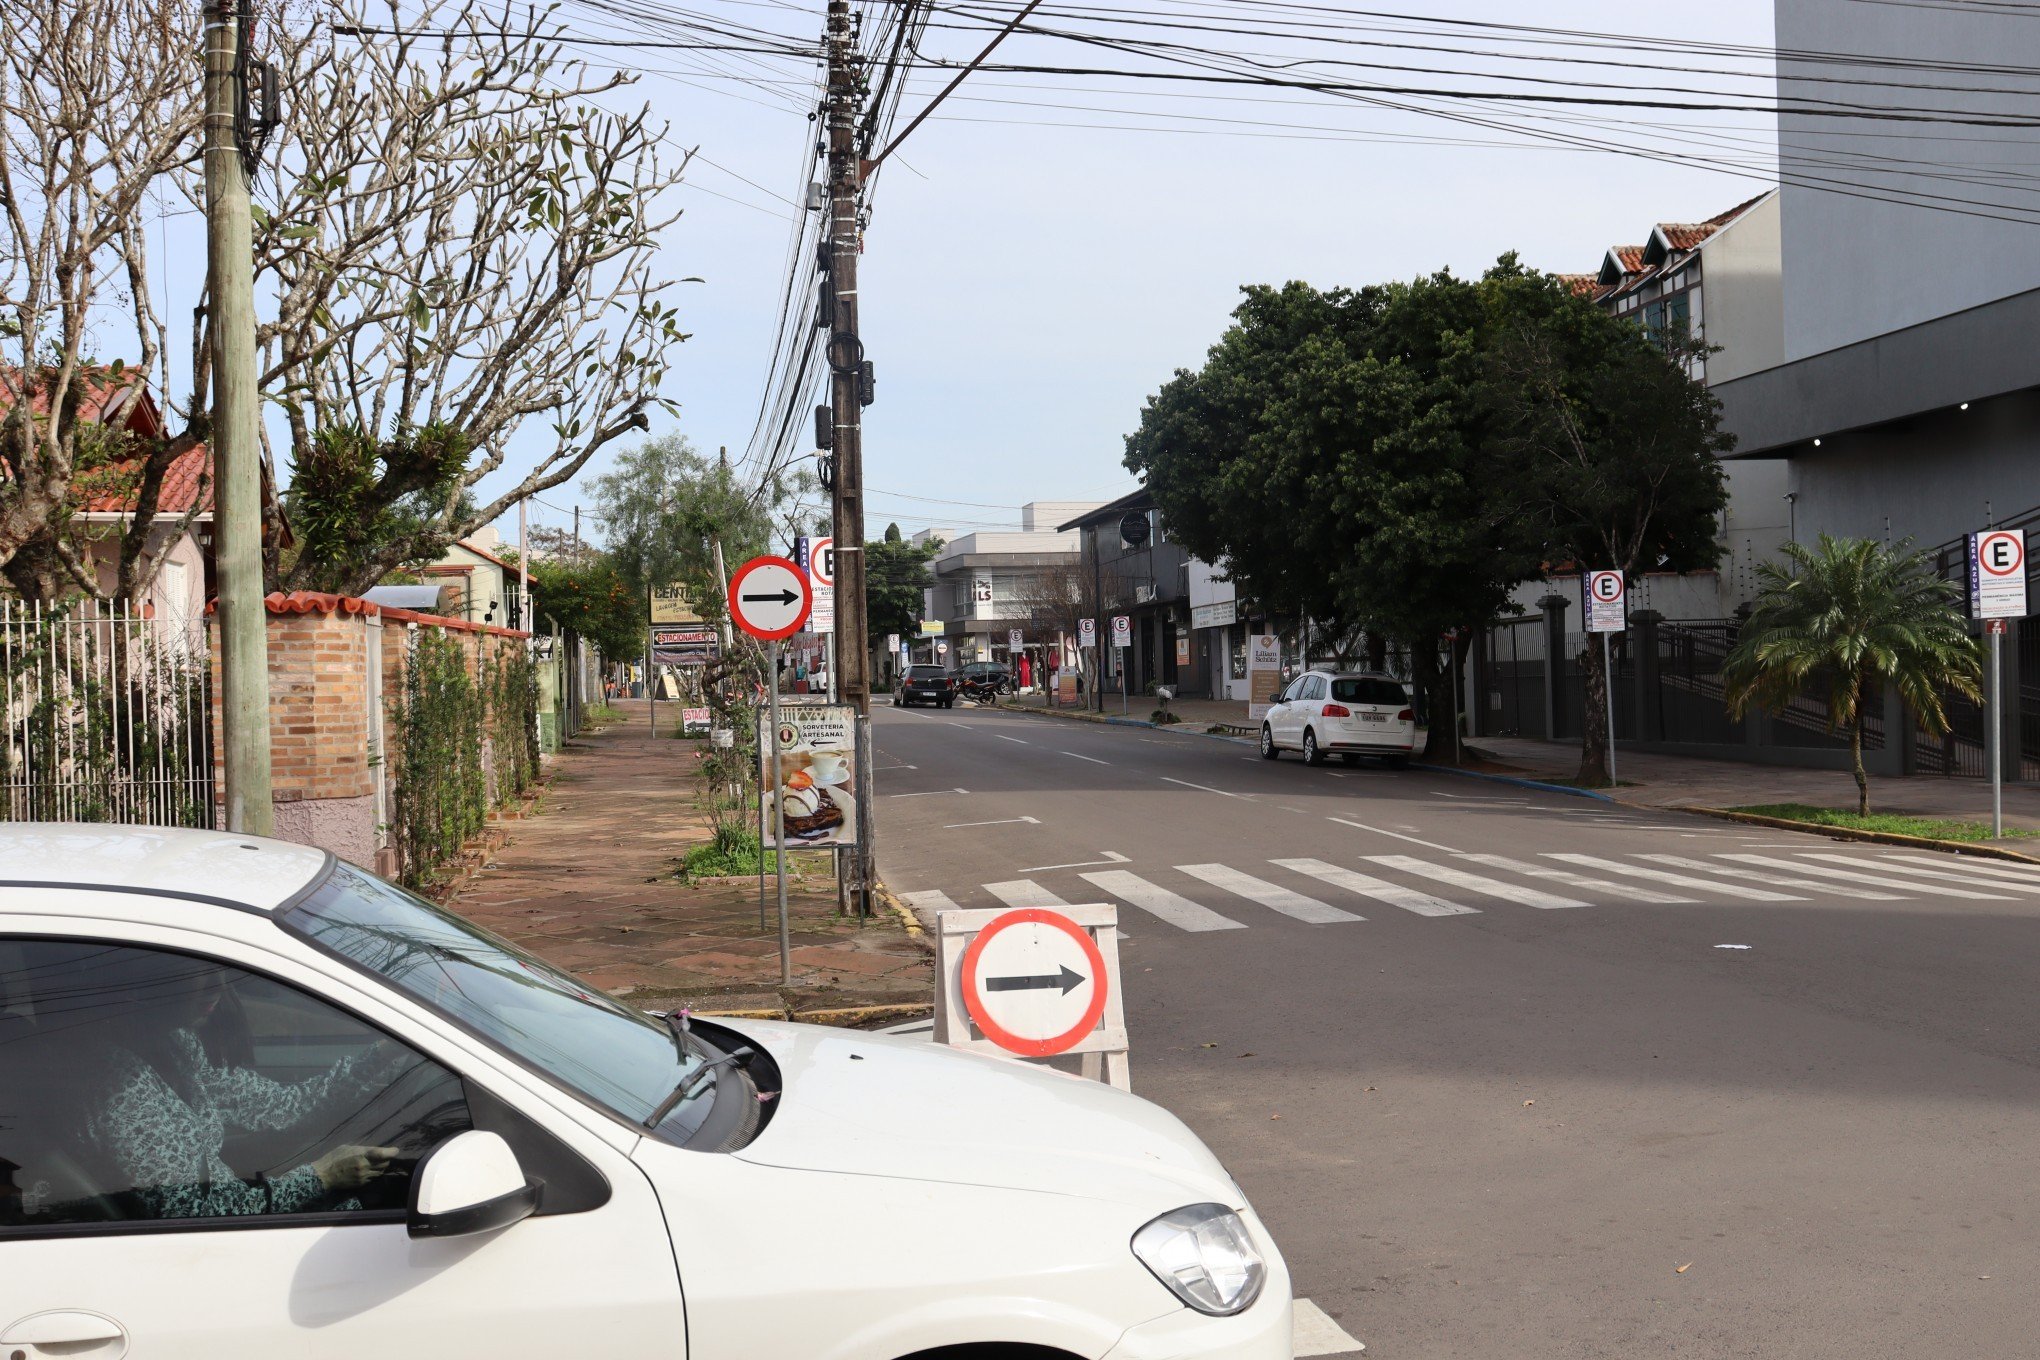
(778, 827)
(1996, 732)
(1123, 679)
(1608, 693)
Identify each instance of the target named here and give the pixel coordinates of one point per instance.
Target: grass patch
(601, 715)
(1931, 828)
(735, 850)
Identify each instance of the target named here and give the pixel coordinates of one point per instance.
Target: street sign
(1034, 983)
(683, 646)
(1122, 630)
(942, 649)
(822, 562)
(1013, 639)
(1995, 627)
(674, 603)
(892, 642)
(1607, 606)
(693, 721)
(770, 598)
(1087, 632)
(1997, 574)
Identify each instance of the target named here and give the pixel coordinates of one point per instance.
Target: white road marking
(1432, 845)
(1206, 788)
(1772, 880)
(1567, 876)
(1176, 910)
(1025, 892)
(1874, 880)
(1978, 872)
(1312, 1332)
(1093, 759)
(930, 793)
(1712, 885)
(1111, 857)
(1002, 821)
(881, 769)
(1015, 740)
(931, 901)
(1270, 895)
(1409, 899)
(1459, 878)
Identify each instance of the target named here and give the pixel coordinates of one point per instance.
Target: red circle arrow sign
(1020, 988)
(770, 598)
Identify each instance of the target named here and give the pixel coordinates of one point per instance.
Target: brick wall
(324, 770)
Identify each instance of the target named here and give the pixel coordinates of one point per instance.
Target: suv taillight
(1407, 715)
(1338, 711)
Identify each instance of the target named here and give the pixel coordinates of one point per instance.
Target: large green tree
(895, 574)
(664, 507)
(1399, 458)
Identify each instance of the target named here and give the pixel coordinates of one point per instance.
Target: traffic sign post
(1122, 638)
(1997, 592)
(821, 570)
(770, 598)
(1607, 612)
(1034, 983)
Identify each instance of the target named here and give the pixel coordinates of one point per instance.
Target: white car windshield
(620, 1058)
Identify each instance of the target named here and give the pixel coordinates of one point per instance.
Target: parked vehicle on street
(925, 685)
(1348, 713)
(997, 672)
(256, 1101)
(979, 690)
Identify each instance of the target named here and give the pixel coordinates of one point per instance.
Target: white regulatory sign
(1033, 982)
(1122, 630)
(822, 562)
(1013, 639)
(1997, 573)
(1087, 632)
(1607, 605)
(770, 598)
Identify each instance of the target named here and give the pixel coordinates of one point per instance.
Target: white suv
(1351, 713)
(256, 1102)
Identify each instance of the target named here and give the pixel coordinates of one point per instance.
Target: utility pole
(236, 445)
(524, 619)
(846, 406)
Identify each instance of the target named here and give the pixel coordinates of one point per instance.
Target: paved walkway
(589, 882)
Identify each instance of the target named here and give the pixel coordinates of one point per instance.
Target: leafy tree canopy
(895, 573)
(591, 596)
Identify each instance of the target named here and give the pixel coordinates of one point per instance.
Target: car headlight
(1203, 1254)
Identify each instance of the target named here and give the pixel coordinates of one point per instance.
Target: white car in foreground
(257, 1102)
(1345, 713)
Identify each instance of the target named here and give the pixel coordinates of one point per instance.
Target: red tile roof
(1629, 257)
(187, 483)
(1585, 285)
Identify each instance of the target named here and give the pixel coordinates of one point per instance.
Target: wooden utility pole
(846, 406)
(236, 442)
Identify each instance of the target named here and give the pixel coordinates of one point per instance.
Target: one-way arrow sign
(1066, 979)
(770, 598)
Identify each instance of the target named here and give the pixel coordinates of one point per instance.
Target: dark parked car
(929, 684)
(997, 673)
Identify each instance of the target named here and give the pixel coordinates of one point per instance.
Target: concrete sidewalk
(589, 882)
(1671, 781)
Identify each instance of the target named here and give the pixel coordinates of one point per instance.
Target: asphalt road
(1482, 1123)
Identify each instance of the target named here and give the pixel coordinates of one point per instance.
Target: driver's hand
(349, 1167)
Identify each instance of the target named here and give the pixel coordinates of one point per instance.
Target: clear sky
(1025, 287)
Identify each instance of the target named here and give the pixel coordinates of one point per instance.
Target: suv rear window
(1366, 690)
(926, 673)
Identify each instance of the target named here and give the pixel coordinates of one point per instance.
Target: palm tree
(1851, 616)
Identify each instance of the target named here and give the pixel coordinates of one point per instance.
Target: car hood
(870, 1104)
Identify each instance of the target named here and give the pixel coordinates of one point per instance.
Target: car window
(1367, 689)
(1313, 687)
(620, 1058)
(927, 673)
(151, 1085)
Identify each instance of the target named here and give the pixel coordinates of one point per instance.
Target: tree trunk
(1856, 755)
(1441, 737)
(1594, 719)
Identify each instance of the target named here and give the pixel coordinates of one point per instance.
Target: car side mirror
(470, 1183)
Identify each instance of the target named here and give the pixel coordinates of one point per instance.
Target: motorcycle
(979, 691)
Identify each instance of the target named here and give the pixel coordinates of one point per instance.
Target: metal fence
(107, 710)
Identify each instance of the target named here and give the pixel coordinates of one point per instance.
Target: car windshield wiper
(684, 1043)
(691, 1083)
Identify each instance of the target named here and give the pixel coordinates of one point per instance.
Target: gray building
(1135, 570)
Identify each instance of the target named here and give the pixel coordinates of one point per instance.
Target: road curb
(1185, 728)
(844, 1017)
(1595, 794)
(1850, 833)
(891, 900)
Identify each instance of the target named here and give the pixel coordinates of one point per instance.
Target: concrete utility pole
(524, 572)
(236, 443)
(846, 406)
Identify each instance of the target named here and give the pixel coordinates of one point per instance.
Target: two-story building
(989, 583)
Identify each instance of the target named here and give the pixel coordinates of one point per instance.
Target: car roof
(1360, 675)
(243, 871)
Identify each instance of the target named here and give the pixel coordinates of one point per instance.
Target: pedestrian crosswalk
(1206, 898)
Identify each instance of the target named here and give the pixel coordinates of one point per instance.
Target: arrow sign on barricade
(1033, 983)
